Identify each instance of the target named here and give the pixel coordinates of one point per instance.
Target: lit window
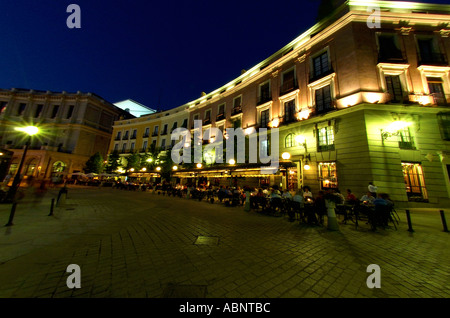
(325, 138)
(414, 181)
(288, 141)
(444, 125)
(327, 175)
(405, 140)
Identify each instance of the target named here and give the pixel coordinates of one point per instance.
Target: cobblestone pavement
(140, 244)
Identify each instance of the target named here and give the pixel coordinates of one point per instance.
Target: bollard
(11, 215)
(51, 207)
(408, 217)
(444, 222)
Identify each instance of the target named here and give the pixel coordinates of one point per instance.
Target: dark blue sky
(157, 53)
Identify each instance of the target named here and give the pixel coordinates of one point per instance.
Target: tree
(94, 164)
(133, 161)
(113, 162)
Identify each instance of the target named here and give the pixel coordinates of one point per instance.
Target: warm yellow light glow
(303, 114)
(132, 169)
(199, 165)
(286, 155)
(149, 160)
(306, 167)
(158, 168)
(372, 97)
(30, 130)
(249, 130)
(144, 169)
(175, 167)
(187, 145)
(275, 123)
(350, 100)
(232, 161)
(397, 125)
(211, 140)
(300, 139)
(1, 153)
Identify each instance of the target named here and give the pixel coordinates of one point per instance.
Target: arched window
(288, 141)
(58, 166)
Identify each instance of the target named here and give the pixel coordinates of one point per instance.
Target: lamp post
(30, 131)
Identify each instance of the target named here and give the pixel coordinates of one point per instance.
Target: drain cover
(184, 291)
(207, 240)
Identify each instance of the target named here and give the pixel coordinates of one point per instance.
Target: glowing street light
(286, 155)
(158, 168)
(10, 197)
(232, 161)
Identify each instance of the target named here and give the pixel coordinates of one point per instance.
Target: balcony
(392, 58)
(133, 137)
(264, 98)
(125, 137)
(236, 110)
(155, 134)
(220, 116)
(207, 121)
(146, 135)
(316, 75)
(117, 138)
(436, 59)
(288, 86)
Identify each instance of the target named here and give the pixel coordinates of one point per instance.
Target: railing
(125, 137)
(439, 99)
(264, 98)
(288, 86)
(207, 121)
(220, 116)
(236, 110)
(314, 77)
(392, 59)
(145, 135)
(154, 134)
(432, 59)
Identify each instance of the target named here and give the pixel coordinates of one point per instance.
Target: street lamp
(30, 131)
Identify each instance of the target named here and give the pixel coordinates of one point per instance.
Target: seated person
(307, 192)
(367, 198)
(287, 194)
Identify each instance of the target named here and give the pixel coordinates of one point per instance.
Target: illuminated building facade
(362, 96)
(72, 127)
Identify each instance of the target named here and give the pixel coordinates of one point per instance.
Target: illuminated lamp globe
(286, 155)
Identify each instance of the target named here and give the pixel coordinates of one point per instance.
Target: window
(147, 132)
(38, 111)
(70, 111)
(145, 145)
(288, 81)
(124, 147)
(394, 88)
(54, 111)
(119, 134)
(405, 140)
(155, 131)
(289, 111)
(2, 106)
(185, 121)
(116, 147)
(265, 118)
(444, 125)
(163, 143)
(325, 138)
(164, 132)
(21, 109)
(174, 126)
(389, 48)
(133, 136)
(323, 99)
(237, 123)
(207, 120)
(414, 181)
(429, 53)
(125, 136)
(289, 141)
(237, 103)
(132, 147)
(264, 93)
(221, 112)
(437, 90)
(321, 65)
(327, 175)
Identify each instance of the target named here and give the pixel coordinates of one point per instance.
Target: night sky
(162, 54)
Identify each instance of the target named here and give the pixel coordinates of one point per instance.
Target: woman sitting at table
(307, 192)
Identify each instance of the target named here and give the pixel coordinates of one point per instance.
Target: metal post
(408, 217)
(11, 215)
(51, 207)
(444, 222)
(10, 196)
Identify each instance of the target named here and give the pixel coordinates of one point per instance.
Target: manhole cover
(207, 240)
(184, 291)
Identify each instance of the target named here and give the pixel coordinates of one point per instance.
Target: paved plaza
(140, 244)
